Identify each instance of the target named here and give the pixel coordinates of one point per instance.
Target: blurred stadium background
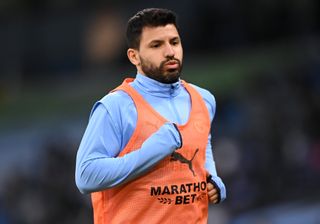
(260, 58)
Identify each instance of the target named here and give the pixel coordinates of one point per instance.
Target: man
(146, 154)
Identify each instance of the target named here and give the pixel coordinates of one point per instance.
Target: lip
(171, 64)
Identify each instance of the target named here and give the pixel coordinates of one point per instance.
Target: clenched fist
(213, 194)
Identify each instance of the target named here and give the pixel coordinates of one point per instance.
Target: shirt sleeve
(98, 168)
(211, 168)
(210, 162)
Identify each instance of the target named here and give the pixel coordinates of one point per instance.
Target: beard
(161, 74)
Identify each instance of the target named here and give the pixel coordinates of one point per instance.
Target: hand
(213, 194)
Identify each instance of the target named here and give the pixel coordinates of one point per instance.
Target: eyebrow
(161, 41)
(156, 42)
(175, 38)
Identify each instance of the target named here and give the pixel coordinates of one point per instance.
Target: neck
(156, 88)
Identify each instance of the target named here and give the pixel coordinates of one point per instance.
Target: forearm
(98, 172)
(211, 168)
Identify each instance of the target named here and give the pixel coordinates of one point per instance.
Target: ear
(133, 56)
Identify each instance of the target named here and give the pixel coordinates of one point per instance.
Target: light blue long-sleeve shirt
(111, 125)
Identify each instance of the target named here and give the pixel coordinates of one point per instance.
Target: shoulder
(207, 96)
(114, 102)
(116, 98)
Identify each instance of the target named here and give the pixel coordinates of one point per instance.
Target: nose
(169, 51)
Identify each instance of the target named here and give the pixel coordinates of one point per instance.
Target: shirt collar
(155, 88)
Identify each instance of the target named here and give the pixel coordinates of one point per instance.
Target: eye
(155, 45)
(175, 42)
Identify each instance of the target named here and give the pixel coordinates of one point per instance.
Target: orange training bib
(173, 191)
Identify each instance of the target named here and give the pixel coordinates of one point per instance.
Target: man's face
(160, 53)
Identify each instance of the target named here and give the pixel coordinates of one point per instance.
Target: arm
(216, 187)
(97, 164)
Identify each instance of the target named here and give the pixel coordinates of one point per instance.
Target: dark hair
(151, 17)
